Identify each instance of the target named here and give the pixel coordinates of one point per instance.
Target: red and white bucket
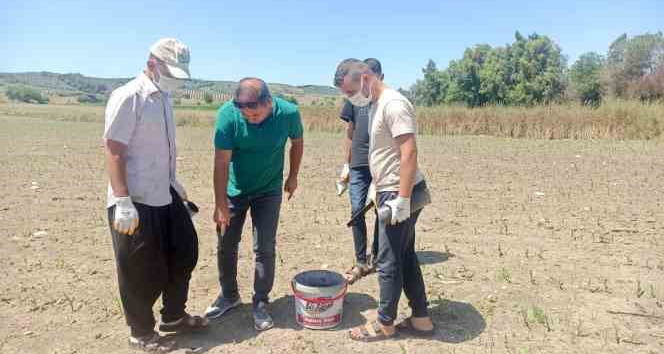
(319, 298)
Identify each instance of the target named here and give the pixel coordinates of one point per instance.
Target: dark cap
(374, 65)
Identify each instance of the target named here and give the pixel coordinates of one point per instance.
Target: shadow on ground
(237, 325)
(432, 257)
(455, 322)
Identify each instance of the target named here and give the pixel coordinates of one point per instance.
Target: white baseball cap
(174, 54)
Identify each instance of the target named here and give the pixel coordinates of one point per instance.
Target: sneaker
(262, 318)
(220, 306)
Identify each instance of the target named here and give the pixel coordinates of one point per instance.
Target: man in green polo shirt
(250, 137)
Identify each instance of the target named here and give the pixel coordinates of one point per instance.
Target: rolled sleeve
(120, 118)
(400, 118)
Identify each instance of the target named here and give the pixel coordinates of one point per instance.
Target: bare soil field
(530, 246)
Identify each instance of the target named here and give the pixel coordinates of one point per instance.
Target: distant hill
(77, 84)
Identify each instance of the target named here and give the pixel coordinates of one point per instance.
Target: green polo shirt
(257, 163)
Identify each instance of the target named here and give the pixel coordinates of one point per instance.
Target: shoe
(152, 343)
(262, 319)
(220, 306)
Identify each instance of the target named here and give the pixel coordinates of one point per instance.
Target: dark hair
(353, 67)
(255, 87)
(374, 65)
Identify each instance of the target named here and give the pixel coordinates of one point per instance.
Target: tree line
(533, 70)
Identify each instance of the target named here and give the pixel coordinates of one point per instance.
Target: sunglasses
(243, 105)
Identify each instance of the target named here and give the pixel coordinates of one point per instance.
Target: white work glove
(342, 183)
(125, 220)
(341, 187)
(371, 194)
(400, 208)
(344, 176)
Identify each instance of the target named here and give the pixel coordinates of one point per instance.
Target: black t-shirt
(360, 117)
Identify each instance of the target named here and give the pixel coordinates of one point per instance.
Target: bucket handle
(319, 300)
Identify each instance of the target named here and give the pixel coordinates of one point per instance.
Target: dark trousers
(398, 267)
(358, 187)
(264, 209)
(156, 260)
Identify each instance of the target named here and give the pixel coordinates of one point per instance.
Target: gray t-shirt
(359, 116)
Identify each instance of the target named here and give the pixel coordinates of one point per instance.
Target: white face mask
(359, 99)
(168, 84)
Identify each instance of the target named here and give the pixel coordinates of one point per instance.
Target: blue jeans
(398, 267)
(264, 209)
(358, 187)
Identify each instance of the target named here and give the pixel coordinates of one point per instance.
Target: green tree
(536, 67)
(528, 71)
(585, 78)
(465, 77)
(494, 76)
(431, 90)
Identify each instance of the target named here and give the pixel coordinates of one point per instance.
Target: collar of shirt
(147, 86)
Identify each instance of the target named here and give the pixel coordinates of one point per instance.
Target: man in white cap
(154, 240)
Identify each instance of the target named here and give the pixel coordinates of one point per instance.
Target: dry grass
(614, 119)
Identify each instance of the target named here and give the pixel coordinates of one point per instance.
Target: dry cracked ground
(530, 246)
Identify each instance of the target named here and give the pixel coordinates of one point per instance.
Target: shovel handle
(360, 213)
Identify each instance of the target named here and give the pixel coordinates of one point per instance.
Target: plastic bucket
(319, 298)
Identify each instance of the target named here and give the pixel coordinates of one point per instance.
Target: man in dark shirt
(356, 173)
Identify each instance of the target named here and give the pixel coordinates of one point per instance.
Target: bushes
(26, 94)
(88, 98)
(650, 87)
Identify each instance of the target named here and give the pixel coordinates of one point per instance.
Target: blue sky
(299, 42)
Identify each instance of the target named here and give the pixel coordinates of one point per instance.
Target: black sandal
(368, 337)
(152, 343)
(187, 323)
(406, 326)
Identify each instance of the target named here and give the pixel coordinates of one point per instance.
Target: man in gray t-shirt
(358, 176)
